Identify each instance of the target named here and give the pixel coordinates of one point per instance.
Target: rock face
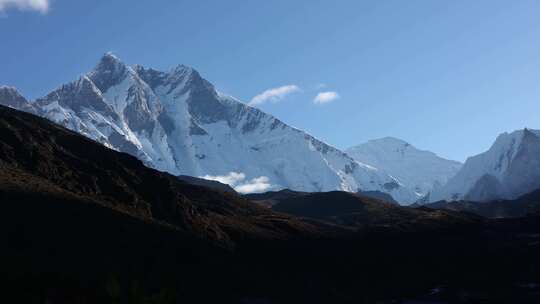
(10, 97)
(177, 122)
(509, 169)
(420, 171)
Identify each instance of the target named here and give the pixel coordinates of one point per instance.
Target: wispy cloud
(259, 184)
(274, 94)
(325, 97)
(230, 179)
(41, 6)
(238, 182)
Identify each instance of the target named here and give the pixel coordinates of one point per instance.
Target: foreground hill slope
(522, 206)
(81, 223)
(357, 210)
(345, 208)
(39, 156)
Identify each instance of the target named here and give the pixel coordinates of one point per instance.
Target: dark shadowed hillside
(36, 154)
(81, 223)
(359, 210)
(206, 183)
(271, 198)
(339, 206)
(522, 206)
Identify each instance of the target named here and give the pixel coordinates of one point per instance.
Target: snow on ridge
(177, 122)
(419, 170)
(498, 164)
(296, 129)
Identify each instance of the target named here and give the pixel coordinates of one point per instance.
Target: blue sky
(446, 76)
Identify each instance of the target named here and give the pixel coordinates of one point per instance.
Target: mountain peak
(174, 78)
(109, 62)
(529, 133)
(512, 159)
(109, 71)
(508, 143)
(388, 140)
(181, 69)
(110, 56)
(387, 144)
(421, 171)
(11, 97)
(188, 73)
(183, 72)
(176, 121)
(4, 89)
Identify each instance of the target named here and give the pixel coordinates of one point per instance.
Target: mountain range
(509, 169)
(177, 122)
(419, 170)
(83, 223)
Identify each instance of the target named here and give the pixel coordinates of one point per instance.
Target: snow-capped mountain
(510, 168)
(176, 121)
(9, 96)
(420, 171)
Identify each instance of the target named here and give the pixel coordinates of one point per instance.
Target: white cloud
(237, 181)
(230, 179)
(41, 6)
(274, 95)
(259, 184)
(325, 97)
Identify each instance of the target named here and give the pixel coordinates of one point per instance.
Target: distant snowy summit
(509, 169)
(176, 121)
(420, 171)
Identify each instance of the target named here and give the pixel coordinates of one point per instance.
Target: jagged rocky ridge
(177, 122)
(509, 169)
